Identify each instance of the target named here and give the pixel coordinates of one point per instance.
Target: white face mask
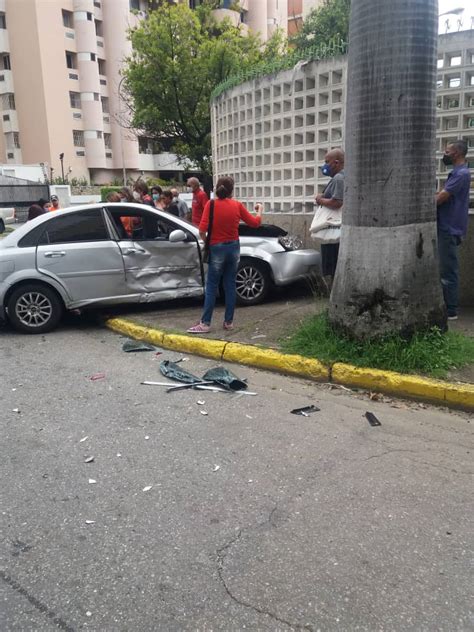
(136, 195)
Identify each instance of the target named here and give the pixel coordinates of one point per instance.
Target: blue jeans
(223, 262)
(449, 269)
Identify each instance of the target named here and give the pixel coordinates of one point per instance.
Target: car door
(78, 251)
(156, 268)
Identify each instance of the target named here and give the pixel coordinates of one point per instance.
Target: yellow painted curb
(437, 391)
(127, 328)
(203, 347)
(399, 384)
(275, 361)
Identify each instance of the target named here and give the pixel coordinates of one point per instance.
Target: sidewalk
(262, 325)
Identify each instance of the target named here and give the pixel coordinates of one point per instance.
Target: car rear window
(86, 225)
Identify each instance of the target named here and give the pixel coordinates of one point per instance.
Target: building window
(105, 105)
(71, 60)
(78, 138)
(108, 141)
(101, 63)
(455, 60)
(75, 100)
(452, 103)
(89, 16)
(8, 102)
(3, 21)
(93, 57)
(454, 82)
(99, 31)
(440, 63)
(6, 62)
(134, 5)
(68, 19)
(16, 140)
(99, 134)
(96, 96)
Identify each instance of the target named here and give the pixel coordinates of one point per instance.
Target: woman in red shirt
(224, 251)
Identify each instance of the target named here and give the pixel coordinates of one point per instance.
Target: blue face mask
(326, 170)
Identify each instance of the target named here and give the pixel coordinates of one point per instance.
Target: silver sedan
(106, 254)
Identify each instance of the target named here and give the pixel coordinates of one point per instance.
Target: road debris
(257, 336)
(249, 417)
(305, 411)
(16, 410)
(146, 437)
(92, 481)
(88, 459)
(130, 346)
(216, 468)
(83, 439)
(200, 402)
(88, 613)
(147, 488)
(97, 376)
(90, 521)
(204, 412)
(118, 454)
(174, 372)
(225, 378)
(372, 419)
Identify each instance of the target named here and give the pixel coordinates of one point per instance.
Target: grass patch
(7, 231)
(430, 353)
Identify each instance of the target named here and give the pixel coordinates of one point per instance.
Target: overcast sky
(466, 17)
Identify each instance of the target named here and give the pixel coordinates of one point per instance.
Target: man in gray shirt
(332, 197)
(181, 204)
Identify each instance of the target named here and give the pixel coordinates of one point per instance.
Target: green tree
(328, 22)
(179, 56)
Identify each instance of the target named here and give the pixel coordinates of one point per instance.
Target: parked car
(7, 216)
(106, 254)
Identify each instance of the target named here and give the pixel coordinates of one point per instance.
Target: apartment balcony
(10, 121)
(4, 41)
(6, 82)
(159, 162)
(230, 14)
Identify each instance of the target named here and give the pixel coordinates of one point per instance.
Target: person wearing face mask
(452, 218)
(200, 200)
(332, 197)
(156, 192)
(141, 195)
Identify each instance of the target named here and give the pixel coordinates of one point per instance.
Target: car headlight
(290, 242)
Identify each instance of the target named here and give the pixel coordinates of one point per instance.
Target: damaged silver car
(107, 254)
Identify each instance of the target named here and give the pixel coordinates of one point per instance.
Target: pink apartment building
(60, 63)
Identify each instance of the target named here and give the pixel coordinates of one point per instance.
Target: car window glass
(85, 225)
(141, 226)
(32, 238)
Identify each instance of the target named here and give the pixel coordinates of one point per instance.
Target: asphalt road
(255, 518)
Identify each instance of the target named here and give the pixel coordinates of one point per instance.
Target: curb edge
(412, 386)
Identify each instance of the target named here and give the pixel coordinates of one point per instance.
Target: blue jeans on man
(449, 269)
(223, 263)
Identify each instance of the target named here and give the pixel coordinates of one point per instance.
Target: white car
(106, 254)
(7, 216)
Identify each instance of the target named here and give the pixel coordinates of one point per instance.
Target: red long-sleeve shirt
(227, 215)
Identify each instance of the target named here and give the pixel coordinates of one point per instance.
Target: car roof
(13, 238)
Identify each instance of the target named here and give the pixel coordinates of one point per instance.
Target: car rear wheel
(2, 226)
(34, 309)
(253, 282)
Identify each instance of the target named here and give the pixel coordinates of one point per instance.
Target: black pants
(329, 255)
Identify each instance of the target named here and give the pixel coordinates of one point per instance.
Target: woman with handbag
(326, 224)
(219, 229)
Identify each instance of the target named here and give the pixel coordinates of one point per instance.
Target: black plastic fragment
(305, 411)
(372, 419)
(225, 378)
(136, 345)
(174, 372)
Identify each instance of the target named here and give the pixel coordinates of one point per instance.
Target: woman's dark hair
(225, 187)
(141, 187)
(167, 194)
(35, 211)
(157, 189)
(125, 192)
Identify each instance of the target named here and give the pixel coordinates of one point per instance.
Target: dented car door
(155, 268)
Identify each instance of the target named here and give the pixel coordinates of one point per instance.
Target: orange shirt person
(55, 203)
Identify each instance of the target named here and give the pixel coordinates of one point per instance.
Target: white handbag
(326, 225)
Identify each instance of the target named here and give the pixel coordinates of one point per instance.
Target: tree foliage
(179, 56)
(328, 22)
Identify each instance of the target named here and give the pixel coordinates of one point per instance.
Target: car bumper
(288, 267)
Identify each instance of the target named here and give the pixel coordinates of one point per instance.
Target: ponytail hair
(225, 187)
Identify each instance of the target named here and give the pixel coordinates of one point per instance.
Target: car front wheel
(34, 309)
(253, 282)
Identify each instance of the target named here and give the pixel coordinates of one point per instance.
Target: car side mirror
(177, 236)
